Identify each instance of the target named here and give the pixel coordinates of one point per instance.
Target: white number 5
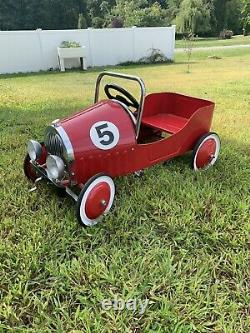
(104, 135)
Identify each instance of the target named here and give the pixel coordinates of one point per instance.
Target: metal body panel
(129, 156)
(89, 159)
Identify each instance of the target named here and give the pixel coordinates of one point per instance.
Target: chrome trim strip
(127, 77)
(67, 143)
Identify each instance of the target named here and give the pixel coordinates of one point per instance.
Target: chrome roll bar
(126, 77)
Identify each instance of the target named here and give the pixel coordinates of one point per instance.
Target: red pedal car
(83, 153)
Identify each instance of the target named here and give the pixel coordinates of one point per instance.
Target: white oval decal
(104, 135)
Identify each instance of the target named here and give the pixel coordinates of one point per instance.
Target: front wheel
(28, 169)
(206, 151)
(95, 200)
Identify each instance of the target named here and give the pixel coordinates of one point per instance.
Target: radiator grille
(54, 144)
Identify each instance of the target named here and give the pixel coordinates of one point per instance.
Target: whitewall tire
(95, 200)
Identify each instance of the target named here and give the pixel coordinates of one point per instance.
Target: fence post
(43, 59)
(173, 41)
(133, 41)
(89, 30)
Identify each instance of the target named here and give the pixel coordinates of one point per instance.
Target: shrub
(155, 57)
(117, 22)
(98, 22)
(226, 34)
(246, 30)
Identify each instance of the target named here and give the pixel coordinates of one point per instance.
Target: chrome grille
(54, 144)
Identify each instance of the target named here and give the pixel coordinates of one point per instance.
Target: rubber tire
(79, 201)
(60, 192)
(27, 169)
(26, 165)
(197, 145)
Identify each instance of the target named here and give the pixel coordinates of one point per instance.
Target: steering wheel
(129, 100)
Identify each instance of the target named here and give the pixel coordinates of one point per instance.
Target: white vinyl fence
(31, 51)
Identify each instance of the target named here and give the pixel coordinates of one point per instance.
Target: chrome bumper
(41, 171)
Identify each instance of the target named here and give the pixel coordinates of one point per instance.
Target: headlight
(55, 167)
(34, 150)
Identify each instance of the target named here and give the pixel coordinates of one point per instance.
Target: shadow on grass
(51, 72)
(170, 205)
(222, 175)
(93, 69)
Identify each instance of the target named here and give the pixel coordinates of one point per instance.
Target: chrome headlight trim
(68, 148)
(34, 150)
(67, 143)
(55, 167)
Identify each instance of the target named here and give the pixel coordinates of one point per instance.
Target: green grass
(206, 42)
(177, 238)
(221, 55)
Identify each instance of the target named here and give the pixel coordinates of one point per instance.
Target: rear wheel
(206, 151)
(95, 200)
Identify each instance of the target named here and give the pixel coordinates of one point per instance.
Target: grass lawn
(206, 42)
(174, 237)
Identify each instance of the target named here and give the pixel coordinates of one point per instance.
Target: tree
(233, 16)
(99, 12)
(82, 24)
(138, 13)
(219, 15)
(194, 16)
(173, 7)
(245, 12)
(226, 14)
(199, 16)
(46, 14)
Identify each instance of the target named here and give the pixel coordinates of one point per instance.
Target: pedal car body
(119, 136)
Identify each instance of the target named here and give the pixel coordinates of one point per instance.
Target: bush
(117, 22)
(246, 30)
(226, 34)
(155, 57)
(98, 22)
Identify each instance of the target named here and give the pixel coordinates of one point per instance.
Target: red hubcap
(206, 153)
(97, 200)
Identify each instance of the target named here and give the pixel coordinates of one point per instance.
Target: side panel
(126, 156)
(140, 156)
(179, 143)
